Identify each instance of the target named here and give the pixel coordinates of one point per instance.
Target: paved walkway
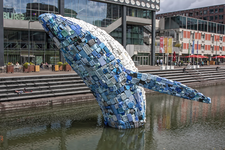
(50, 72)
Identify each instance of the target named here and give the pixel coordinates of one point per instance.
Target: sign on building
(144, 4)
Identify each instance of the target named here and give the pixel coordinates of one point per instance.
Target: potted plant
(182, 62)
(60, 64)
(66, 67)
(9, 67)
(26, 66)
(32, 66)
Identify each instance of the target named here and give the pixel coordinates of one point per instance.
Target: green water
(172, 124)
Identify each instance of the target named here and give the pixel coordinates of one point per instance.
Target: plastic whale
(109, 72)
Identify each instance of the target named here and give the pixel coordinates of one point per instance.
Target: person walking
(157, 62)
(161, 61)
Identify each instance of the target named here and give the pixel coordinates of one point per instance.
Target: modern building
(23, 38)
(214, 13)
(209, 36)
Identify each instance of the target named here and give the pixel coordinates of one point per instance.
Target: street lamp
(29, 39)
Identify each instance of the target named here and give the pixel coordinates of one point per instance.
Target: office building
(214, 13)
(23, 38)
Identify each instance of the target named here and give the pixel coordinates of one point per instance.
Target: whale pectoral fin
(167, 86)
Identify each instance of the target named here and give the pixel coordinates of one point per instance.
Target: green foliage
(182, 61)
(60, 64)
(177, 45)
(31, 63)
(26, 64)
(65, 64)
(9, 63)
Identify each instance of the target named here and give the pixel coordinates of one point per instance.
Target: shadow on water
(172, 123)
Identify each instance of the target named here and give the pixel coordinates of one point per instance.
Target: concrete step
(44, 91)
(22, 97)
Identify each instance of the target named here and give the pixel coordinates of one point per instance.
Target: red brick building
(214, 13)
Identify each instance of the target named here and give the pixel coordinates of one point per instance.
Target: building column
(61, 12)
(124, 27)
(1, 35)
(153, 40)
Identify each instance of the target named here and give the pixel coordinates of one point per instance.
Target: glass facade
(202, 25)
(135, 34)
(176, 22)
(28, 9)
(140, 13)
(42, 48)
(96, 13)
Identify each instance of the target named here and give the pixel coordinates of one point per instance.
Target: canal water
(172, 124)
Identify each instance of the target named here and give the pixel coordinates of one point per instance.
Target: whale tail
(166, 86)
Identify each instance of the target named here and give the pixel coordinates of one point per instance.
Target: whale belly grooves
(107, 69)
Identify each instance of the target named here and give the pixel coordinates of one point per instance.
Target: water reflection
(172, 123)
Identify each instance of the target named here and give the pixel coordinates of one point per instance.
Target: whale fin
(166, 86)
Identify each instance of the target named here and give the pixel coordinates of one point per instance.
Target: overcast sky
(175, 5)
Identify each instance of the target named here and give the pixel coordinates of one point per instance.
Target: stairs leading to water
(71, 84)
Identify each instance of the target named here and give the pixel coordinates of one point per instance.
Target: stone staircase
(43, 86)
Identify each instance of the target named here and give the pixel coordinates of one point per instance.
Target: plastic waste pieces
(109, 72)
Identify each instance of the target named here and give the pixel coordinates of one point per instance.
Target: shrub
(9, 63)
(177, 45)
(31, 63)
(60, 64)
(65, 64)
(26, 64)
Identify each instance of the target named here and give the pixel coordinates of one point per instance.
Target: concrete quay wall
(61, 100)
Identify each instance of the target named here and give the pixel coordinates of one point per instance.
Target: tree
(177, 45)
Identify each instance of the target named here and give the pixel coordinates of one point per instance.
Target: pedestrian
(157, 62)
(41, 66)
(161, 61)
(22, 91)
(217, 68)
(179, 63)
(184, 69)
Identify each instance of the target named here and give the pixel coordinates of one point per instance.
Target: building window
(210, 18)
(28, 10)
(216, 10)
(178, 22)
(205, 18)
(200, 12)
(211, 11)
(186, 14)
(190, 14)
(220, 17)
(205, 12)
(220, 10)
(216, 17)
(196, 13)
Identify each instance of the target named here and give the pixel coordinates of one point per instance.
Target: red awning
(219, 57)
(196, 56)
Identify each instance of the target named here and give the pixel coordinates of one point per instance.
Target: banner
(166, 45)
(170, 46)
(197, 47)
(193, 47)
(189, 48)
(161, 45)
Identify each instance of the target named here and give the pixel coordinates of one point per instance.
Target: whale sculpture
(109, 72)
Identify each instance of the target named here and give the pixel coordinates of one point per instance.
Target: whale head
(62, 31)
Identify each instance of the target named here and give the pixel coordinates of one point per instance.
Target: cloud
(176, 5)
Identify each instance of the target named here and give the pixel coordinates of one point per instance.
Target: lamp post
(29, 39)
